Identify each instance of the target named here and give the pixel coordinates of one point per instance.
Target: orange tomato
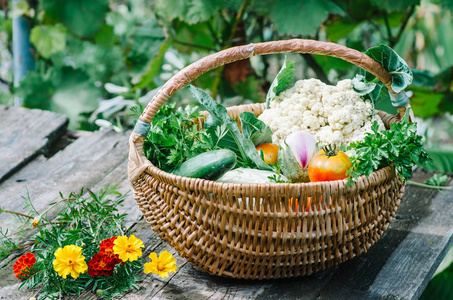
(270, 152)
(328, 164)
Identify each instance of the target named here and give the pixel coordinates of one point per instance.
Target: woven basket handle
(192, 71)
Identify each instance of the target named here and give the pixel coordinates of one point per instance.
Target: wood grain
(24, 134)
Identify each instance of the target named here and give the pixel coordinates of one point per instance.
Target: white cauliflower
(333, 114)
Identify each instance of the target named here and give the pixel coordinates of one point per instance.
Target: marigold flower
(69, 260)
(128, 248)
(101, 265)
(106, 248)
(162, 265)
(24, 263)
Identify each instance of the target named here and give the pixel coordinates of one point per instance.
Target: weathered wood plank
(26, 133)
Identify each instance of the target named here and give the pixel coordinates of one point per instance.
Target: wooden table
(38, 154)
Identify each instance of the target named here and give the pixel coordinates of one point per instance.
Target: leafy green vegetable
(281, 81)
(254, 129)
(174, 138)
(400, 145)
(361, 86)
(233, 140)
(394, 64)
(437, 180)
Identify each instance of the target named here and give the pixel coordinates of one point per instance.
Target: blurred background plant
(101, 61)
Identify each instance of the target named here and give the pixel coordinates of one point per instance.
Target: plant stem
(402, 27)
(387, 25)
(428, 186)
(192, 45)
(311, 62)
(218, 76)
(16, 213)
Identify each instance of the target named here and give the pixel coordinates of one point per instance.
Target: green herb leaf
(254, 129)
(400, 146)
(281, 81)
(242, 146)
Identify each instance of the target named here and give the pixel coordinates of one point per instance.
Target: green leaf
(35, 90)
(391, 5)
(425, 102)
(190, 11)
(394, 64)
(437, 180)
(332, 63)
(245, 148)
(74, 94)
(65, 90)
(48, 39)
(154, 67)
(82, 17)
(254, 129)
(442, 159)
(362, 87)
(106, 36)
(423, 78)
(340, 29)
(448, 4)
(440, 287)
(20, 8)
(303, 17)
(281, 81)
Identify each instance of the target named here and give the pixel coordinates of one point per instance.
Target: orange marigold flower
(24, 263)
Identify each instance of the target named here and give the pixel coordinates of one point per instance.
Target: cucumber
(208, 165)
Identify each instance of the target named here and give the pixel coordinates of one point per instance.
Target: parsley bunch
(174, 137)
(400, 145)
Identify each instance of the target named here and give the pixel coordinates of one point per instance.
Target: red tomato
(270, 152)
(328, 164)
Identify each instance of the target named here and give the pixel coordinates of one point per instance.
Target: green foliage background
(83, 47)
(98, 58)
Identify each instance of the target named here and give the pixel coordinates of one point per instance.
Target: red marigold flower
(106, 248)
(24, 263)
(101, 265)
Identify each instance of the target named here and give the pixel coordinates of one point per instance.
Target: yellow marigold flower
(128, 248)
(162, 265)
(69, 260)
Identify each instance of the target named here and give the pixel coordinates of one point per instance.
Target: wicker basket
(254, 230)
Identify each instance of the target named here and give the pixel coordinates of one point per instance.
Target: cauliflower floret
(333, 114)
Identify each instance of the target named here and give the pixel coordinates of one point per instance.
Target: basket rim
(383, 174)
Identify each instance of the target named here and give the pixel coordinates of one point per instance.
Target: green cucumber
(208, 165)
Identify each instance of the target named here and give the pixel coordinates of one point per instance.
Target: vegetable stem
(428, 186)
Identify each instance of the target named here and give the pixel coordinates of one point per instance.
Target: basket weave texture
(259, 231)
